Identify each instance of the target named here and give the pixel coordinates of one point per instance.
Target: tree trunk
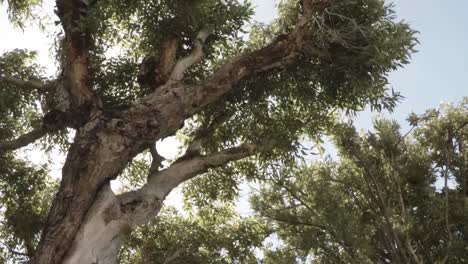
(112, 217)
(105, 228)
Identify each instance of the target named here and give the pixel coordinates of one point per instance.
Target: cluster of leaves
(25, 189)
(214, 235)
(378, 203)
(24, 201)
(18, 107)
(444, 132)
(19, 11)
(22, 108)
(146, 23)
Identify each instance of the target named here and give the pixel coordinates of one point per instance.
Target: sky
(437, 73)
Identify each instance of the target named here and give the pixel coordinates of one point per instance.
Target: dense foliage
(384, 201)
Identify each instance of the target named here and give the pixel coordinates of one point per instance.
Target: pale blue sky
(439, 71)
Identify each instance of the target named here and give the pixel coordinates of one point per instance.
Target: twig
(12, 251)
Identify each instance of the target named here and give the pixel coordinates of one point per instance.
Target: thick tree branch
(74, 15)
(23, 140)
(25, 84)
(182, 170)
(111, 216)
(168, 107)
(195, 57)
(145, 202)
(154, 73)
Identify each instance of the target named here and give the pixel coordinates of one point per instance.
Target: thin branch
(460, 127)
(195, 57)
(294, 195)
(406, 134)
(324, 229)
(382, 205)
(12, 251)
(413, 254)
(23, 140)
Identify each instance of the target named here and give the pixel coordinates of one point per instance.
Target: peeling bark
(104, 230)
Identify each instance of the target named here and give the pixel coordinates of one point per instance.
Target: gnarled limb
(164, 111)
(74, 198)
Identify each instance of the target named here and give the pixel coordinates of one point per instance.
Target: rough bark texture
(87, 222)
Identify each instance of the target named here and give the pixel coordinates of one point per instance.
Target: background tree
(379, 203)
(231, 99)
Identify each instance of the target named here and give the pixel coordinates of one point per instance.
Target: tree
(183, 68)
(378, 203)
